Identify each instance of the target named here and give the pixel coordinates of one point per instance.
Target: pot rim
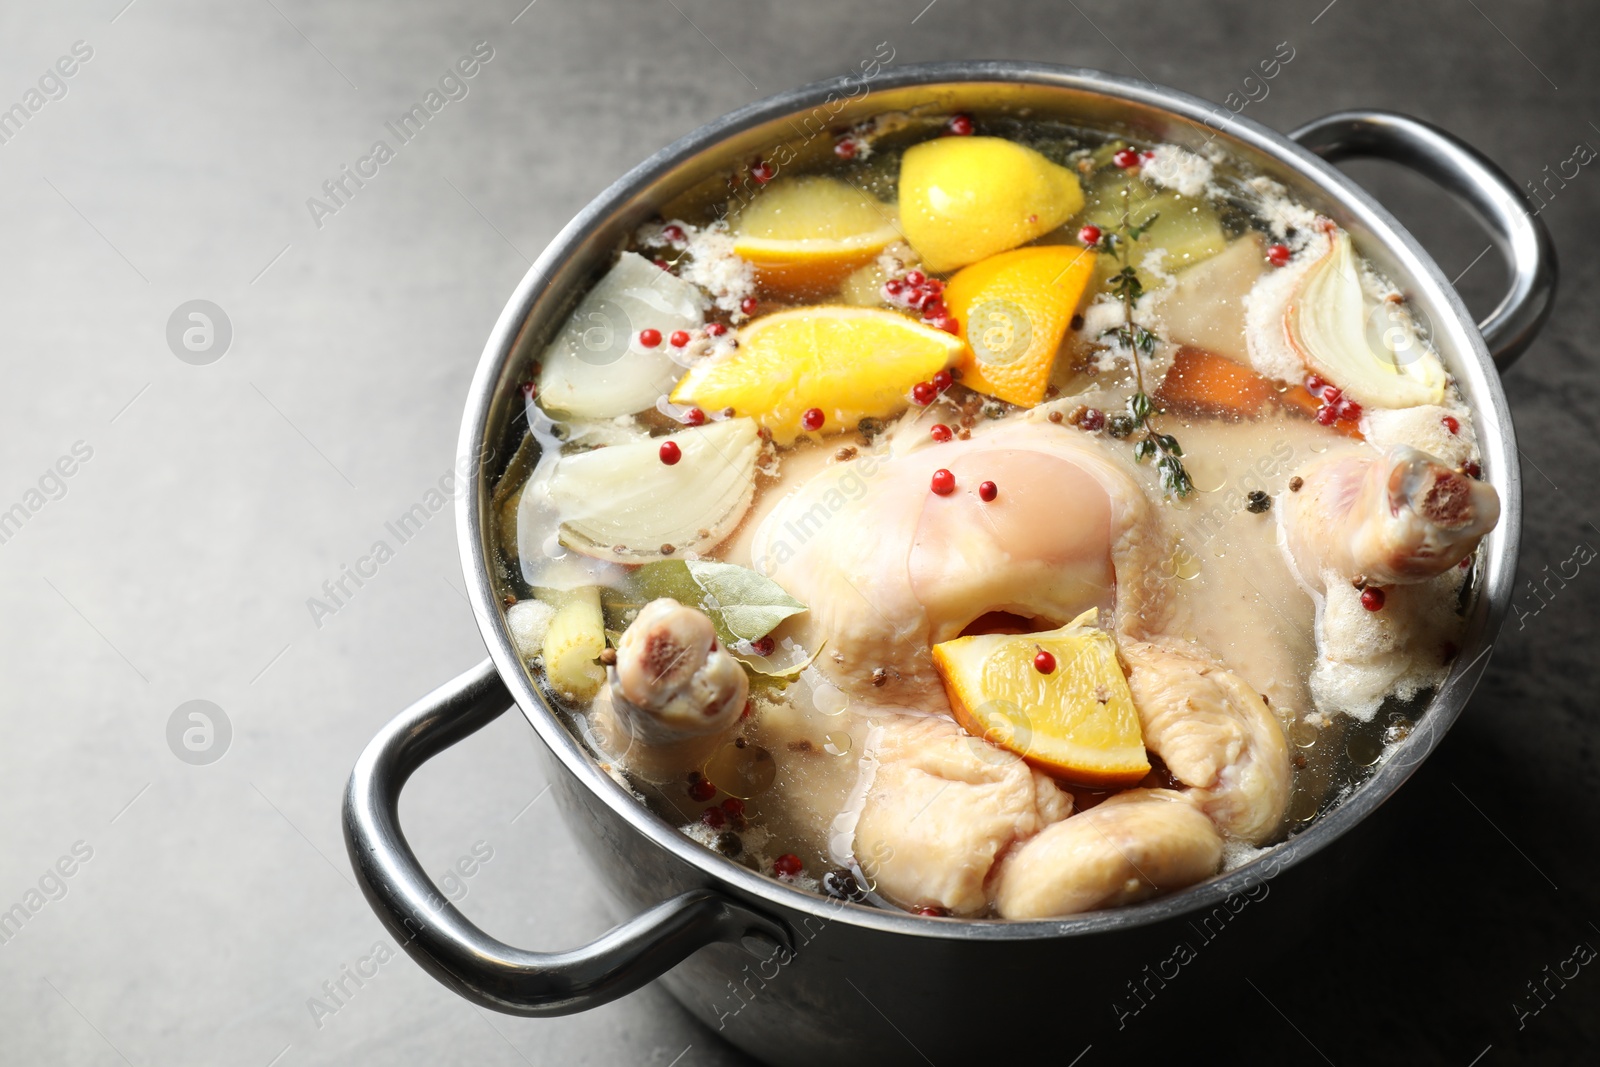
(1453, 332)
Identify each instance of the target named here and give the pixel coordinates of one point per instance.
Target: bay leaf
(743, 604)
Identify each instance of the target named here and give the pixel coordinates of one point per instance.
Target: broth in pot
(995, 519)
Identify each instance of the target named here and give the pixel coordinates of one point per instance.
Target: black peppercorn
(841, 884)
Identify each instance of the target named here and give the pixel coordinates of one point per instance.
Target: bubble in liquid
(1303, 734)
(1206, 473)
(1363, 750)
(837, 743)
(742, 772)
(1302, 808)
(1182, 564)
(830, 700)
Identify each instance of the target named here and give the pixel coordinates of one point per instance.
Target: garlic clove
(1344, 336)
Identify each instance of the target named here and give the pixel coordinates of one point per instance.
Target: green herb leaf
(1136, 232)
(741, 604)
(1126, 286)
(780, 675)
(668, 577)
(1174, 478)
(744, 605)
(1140, 341)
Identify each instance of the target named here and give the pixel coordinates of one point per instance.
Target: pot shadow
(1436, 932)
(1447, 927)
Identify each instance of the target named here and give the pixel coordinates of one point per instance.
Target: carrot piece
(1209, 384)
(1300, 399)
(1214, 385)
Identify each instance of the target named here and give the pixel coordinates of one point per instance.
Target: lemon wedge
(804, 235)
(1076, 722)
(846, 362)
(964, 198)
(1013, 310)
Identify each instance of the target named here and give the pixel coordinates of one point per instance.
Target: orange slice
(847, 362)
(804, 235)
(1013, 310)
(1076, 723)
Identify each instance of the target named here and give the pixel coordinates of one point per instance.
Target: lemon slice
(1076, 722)
(807, 234)
(964, 198)
(846, 362)
(1013, 310)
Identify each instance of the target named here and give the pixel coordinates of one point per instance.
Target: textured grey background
(218, 498)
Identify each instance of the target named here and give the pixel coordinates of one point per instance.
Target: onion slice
(596, 367)
(1368, 348)
(623, 497)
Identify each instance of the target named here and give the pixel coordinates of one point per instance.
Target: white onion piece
(596, 368)
(1369, 350)
(623, 495)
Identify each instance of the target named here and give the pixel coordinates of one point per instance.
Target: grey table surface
(209, 903)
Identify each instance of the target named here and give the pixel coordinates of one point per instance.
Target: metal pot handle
(457, 953)
(1477, 182)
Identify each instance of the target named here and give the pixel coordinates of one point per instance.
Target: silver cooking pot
(789, 976)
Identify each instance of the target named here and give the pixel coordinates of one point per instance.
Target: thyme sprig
(1138, 341)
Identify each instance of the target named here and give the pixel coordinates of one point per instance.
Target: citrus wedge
(847, 362)
(804, 235)
(964, 198)
(1076, 722)
(1013, 310)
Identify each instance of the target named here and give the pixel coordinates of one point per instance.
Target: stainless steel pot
(788, 976)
